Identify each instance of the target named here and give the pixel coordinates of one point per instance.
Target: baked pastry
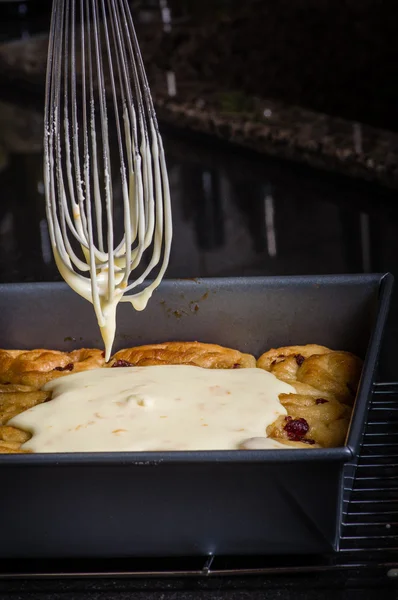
(36, 367)
(11, 439)
(14, 399)
(289, 358)
(318, 414)
(326, 382)
(207, 356)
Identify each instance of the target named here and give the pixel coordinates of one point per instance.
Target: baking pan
(190, 503)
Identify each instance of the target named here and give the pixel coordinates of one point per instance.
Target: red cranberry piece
(236, 366)
(296, 429)
(299, 359)
(321, 401)
(122, 363)
(69, 367)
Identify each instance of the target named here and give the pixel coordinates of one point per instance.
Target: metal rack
(369, 530)
(370, 518)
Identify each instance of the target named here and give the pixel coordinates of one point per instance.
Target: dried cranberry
(321, 401)
(296, 429)
(307, 441)
(122, 363)
(236, 366)
(69, 367)
(299, 359)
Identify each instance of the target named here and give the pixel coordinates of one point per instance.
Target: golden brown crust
(11, 439)
(11, 388)
(11, 448)
(336, 373)
(331, 372)
(37, 367)
(307, 390)
(270, 359)
(12, 434)
(208, 356)
(13, 403)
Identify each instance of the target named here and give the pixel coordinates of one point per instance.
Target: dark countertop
(330, 106)
(346, 586)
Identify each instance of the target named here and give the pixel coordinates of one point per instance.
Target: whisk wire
(110, 96)
(125, 244)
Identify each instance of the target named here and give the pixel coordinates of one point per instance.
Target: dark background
(334, 57)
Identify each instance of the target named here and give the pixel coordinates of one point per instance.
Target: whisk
(97, 88)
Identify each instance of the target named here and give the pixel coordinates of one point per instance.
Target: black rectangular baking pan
(190, 503)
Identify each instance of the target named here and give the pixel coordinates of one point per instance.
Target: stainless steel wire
(97, 89)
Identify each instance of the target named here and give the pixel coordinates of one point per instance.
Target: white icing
(174, 407)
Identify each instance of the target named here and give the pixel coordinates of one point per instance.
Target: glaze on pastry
(318, 414)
